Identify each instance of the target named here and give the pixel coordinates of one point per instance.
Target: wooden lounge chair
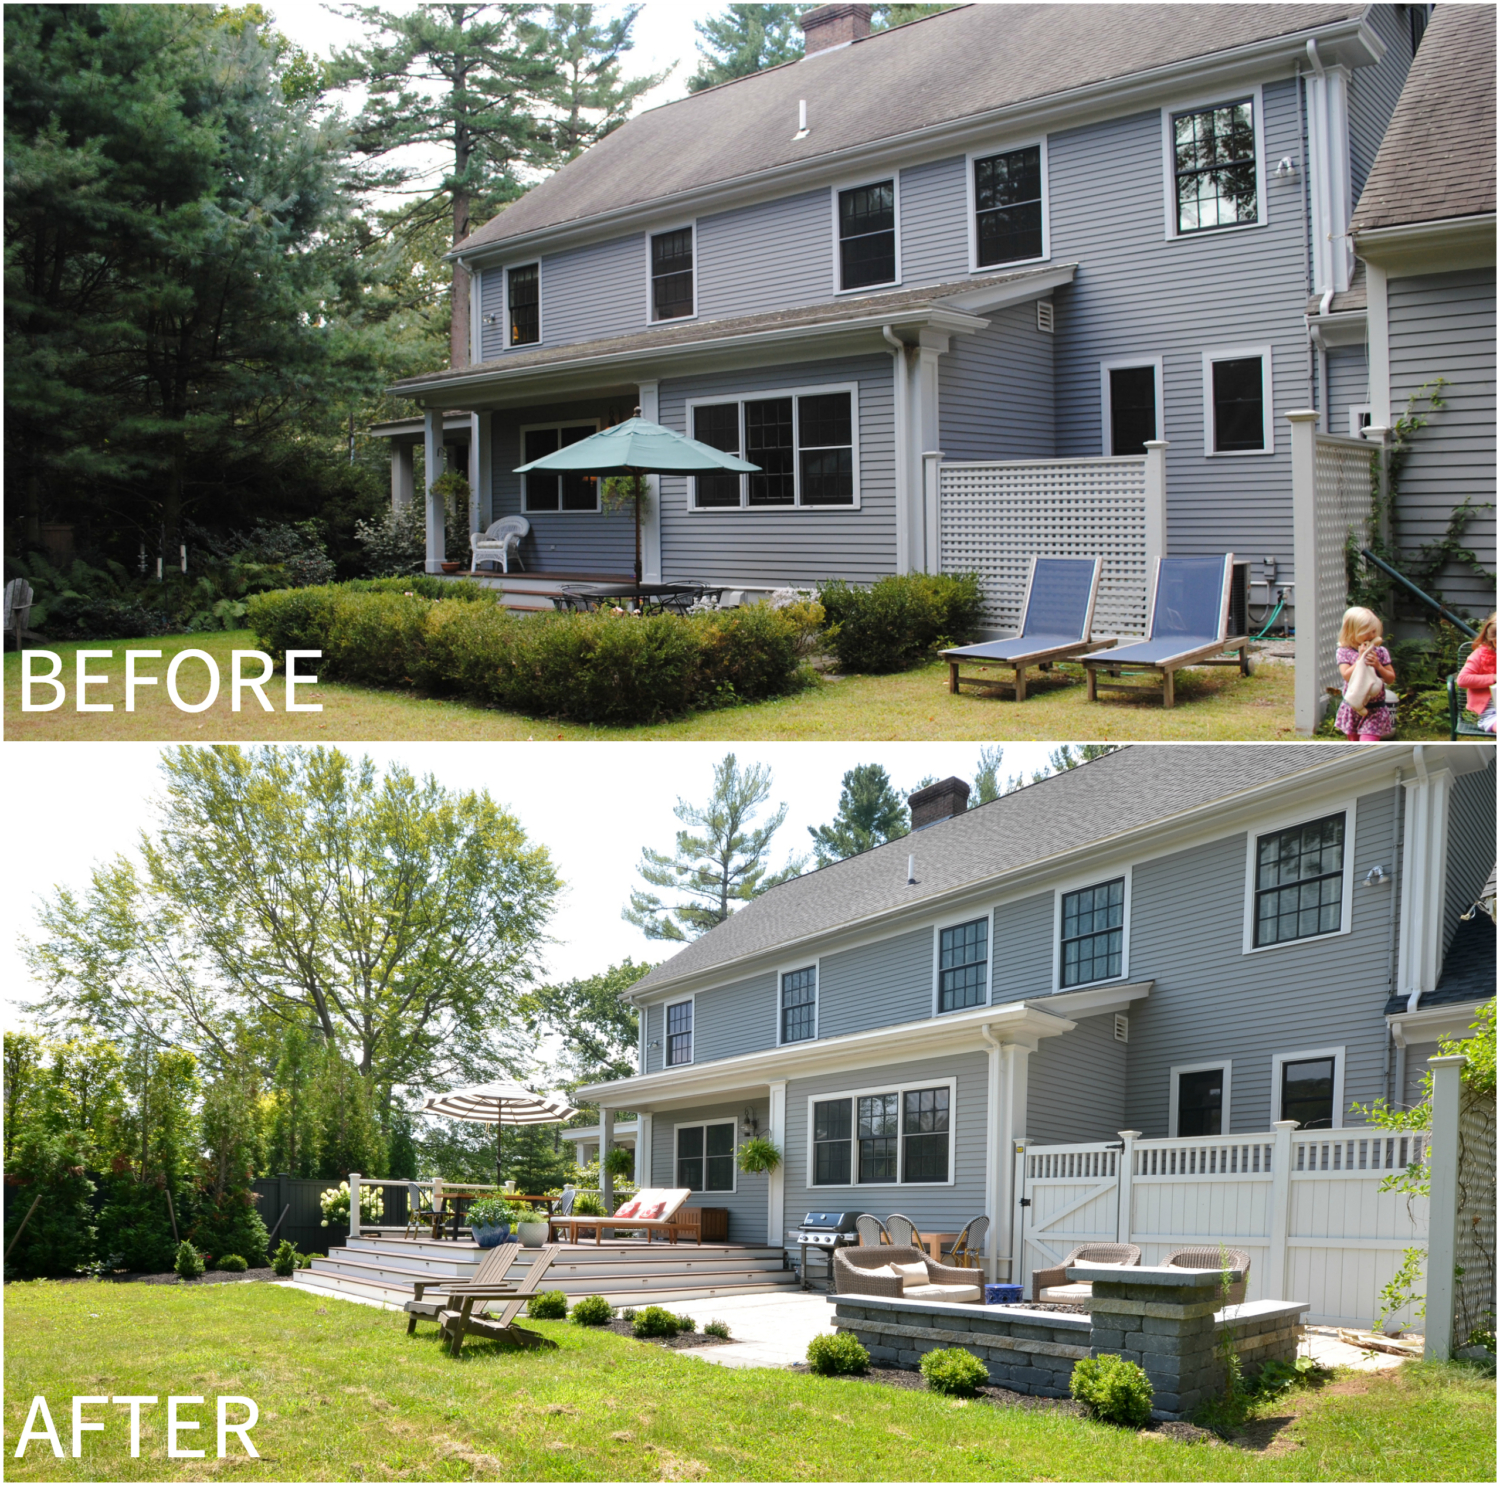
(1049, 1284)
(1057, 618)
(1188, 627)
(651, 1211)
(492, 1271)
(464, 1314)
(1210, 1258)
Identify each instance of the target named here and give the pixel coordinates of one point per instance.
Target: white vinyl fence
(1331, 508)
(993, 518)
(1305, 1205)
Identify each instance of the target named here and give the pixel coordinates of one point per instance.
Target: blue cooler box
(1002, 1294)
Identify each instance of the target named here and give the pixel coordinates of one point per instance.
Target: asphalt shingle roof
(940, 69)
(1437, 159)
(1468, 972)
(1122, 791)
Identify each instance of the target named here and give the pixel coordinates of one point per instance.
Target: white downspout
(1419, 763)
(903, 443)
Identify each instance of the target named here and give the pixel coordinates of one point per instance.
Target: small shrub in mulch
(593, 1310)
(676, 1340)
(1113, 1389)
(953, 1370)
(550, 1305)
(840, 1353)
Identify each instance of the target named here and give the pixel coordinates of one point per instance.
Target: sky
(594, 805)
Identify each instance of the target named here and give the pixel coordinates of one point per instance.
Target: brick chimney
(940, 801)
(835, 25)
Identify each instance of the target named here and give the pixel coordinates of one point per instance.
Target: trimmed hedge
(898, 621)
(606, 668)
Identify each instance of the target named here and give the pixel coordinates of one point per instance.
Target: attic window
(867, 235)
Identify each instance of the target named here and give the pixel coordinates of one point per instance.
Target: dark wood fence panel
(298, 1196)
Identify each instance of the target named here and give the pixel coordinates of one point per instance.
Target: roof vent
(940, 801)
(1044, 320)
(835, 25)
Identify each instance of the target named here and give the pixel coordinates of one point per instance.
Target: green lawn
(1216, 704)
(344, 1393)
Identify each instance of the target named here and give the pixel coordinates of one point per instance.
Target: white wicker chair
(499, 542)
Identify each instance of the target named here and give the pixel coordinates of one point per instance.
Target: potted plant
(489, 1221)
(531, 1226)
(758, 1154)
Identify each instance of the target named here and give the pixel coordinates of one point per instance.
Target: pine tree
(589, 97)
(746, 39)
(719, 864)
(870, 813)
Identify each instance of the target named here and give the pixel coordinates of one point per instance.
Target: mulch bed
(213, 1277)
(682, 1339)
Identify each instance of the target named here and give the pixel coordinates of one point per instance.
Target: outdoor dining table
(460, 1199)
(648, 597)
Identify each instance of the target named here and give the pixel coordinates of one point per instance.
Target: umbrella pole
(637, 502)
(499, 1175)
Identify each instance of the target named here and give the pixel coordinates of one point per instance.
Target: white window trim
(900, 1089)
(741, 398)
(988, 915)
(1092, 879)
(1106, 418)
(666, 1006)
(816, 966)
(833, 197)
(1178, 1068)
(1169, 161)
(1268, 401)
(734, 1164)
(1279, 1059)
(651, 232)
(521, 433)
(1356, 410)
(541, 303)
(1285, 822)
(973, 208)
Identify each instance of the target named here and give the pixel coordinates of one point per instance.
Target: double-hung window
(1093, 933)
(804, 443)
(1200, 1098)
(867, 235)
(799, 1004)
(1237, 401)
(886, 1137)
(1299, 881)
(705, 1157)
(1214, 167)
(1008, 207)
(963, 965)
(672, 274)
(1307, 1092)
(523, 291)
(543, 492)
(1130, 395)
(679, 1033)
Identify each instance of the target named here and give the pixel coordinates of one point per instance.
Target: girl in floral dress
(1359, 639)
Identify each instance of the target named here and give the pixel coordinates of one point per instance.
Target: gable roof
(941, 69)
(1437, 160)
(1121, 792)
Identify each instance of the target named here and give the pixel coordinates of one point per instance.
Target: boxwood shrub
(603, 668)
(231, 1264)
(1113, 1389)
(840, 1352)
(655, 1320)
(899, 620)
(592, 1310)
(550, 1305)
(953, 1370)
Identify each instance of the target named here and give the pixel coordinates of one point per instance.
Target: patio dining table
(649, 598)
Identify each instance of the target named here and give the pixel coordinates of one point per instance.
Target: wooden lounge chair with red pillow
(652, 1210)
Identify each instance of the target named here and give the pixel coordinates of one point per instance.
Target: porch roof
(955, 306)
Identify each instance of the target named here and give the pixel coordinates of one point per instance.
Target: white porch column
(776, 1182)
(643, 1137)
(926, 438)
(606, 1139)
(1442, 1222)
(650, 401)
(436, 520)
(1015, 1060)
(480, 484)
(353, 1204)
(1307, 703)
(1156, 503)
(403, 473)
(580, 1153)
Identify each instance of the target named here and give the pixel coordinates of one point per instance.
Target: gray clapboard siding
(876, 985)
(1373, 91)
(594, 291)
(1211, 1000)
(995, 390)
(600, 542)
(934, 222)
(1443, 325)
(944, 1208)
(1417, 1053)
(733, 1019)
(773, 547)
(1076, 1085)
(770, 256)
(1139, 295)
(656, 1041)
(747, 1203)
(1471, 844)
(1021, 953)
(1348, 385)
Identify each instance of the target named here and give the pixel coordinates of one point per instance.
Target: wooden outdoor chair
(1206, 1257)
(464, 1314)
(1057, 621)
(1087, 1253)
(967, 1250)
(492, 1271)
(1188, 626)
(871, 1230)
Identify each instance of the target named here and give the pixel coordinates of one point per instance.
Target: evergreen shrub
(953, 1370)
(839, 1352)
(189, 1262)
(59, 1238)
(550, 1305)
(284, 1260)
(231, 1264)
(716, 1328)
(593, 1310)
(1113, 1389)
(685, 1322)
(655, 1320)
(899, 620)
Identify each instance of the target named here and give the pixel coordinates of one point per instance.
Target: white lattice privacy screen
(1331, 507)
(994, 518)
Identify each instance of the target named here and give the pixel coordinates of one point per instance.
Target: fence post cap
(1448, 1060)
(1303, 415)
(1285, 1124)
(1128, 1134)
(1157, 443)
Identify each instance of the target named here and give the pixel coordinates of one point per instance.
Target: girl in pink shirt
(1478, 676)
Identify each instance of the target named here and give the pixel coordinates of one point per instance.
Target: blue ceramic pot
(489, 1235)
(1002, 1294)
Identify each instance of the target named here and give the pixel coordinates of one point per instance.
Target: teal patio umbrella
(633, 449)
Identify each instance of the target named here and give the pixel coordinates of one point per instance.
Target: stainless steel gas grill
(825, 1231)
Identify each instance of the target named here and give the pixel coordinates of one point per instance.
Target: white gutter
(1107, 98)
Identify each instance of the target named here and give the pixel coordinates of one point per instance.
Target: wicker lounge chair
(1188, 627)
(860, 1271)
(1086, 1253)
(499, 542)
(1057, 619)
(967, 1250)
(901, 1230)
(871, 1231)
(464, 1314)
(492, 1271)
(1210, 1258)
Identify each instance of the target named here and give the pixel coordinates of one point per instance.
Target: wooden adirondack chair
(492, 1271)
(464, 1314)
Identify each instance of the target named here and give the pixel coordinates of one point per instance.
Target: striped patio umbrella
(500, 1103)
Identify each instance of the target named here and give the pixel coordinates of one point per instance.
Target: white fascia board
(1350, 775)
(1350, 42)
(1095, 1001)
(1000, 296)
(1347, 328)
(626, 365)
(1432, 1023)
(900, 1042)
(1444, 246)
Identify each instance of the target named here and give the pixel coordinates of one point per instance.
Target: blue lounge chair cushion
(1013, 647)
(1154, 652)
(1059, 601)
(1189, 601)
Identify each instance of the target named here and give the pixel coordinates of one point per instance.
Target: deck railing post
(1281, 1210)
(1442, 1202)
(1125, 1178)
(1156, 502)
(353, 1204)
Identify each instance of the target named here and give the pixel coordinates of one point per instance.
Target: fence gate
(1067, 1195)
